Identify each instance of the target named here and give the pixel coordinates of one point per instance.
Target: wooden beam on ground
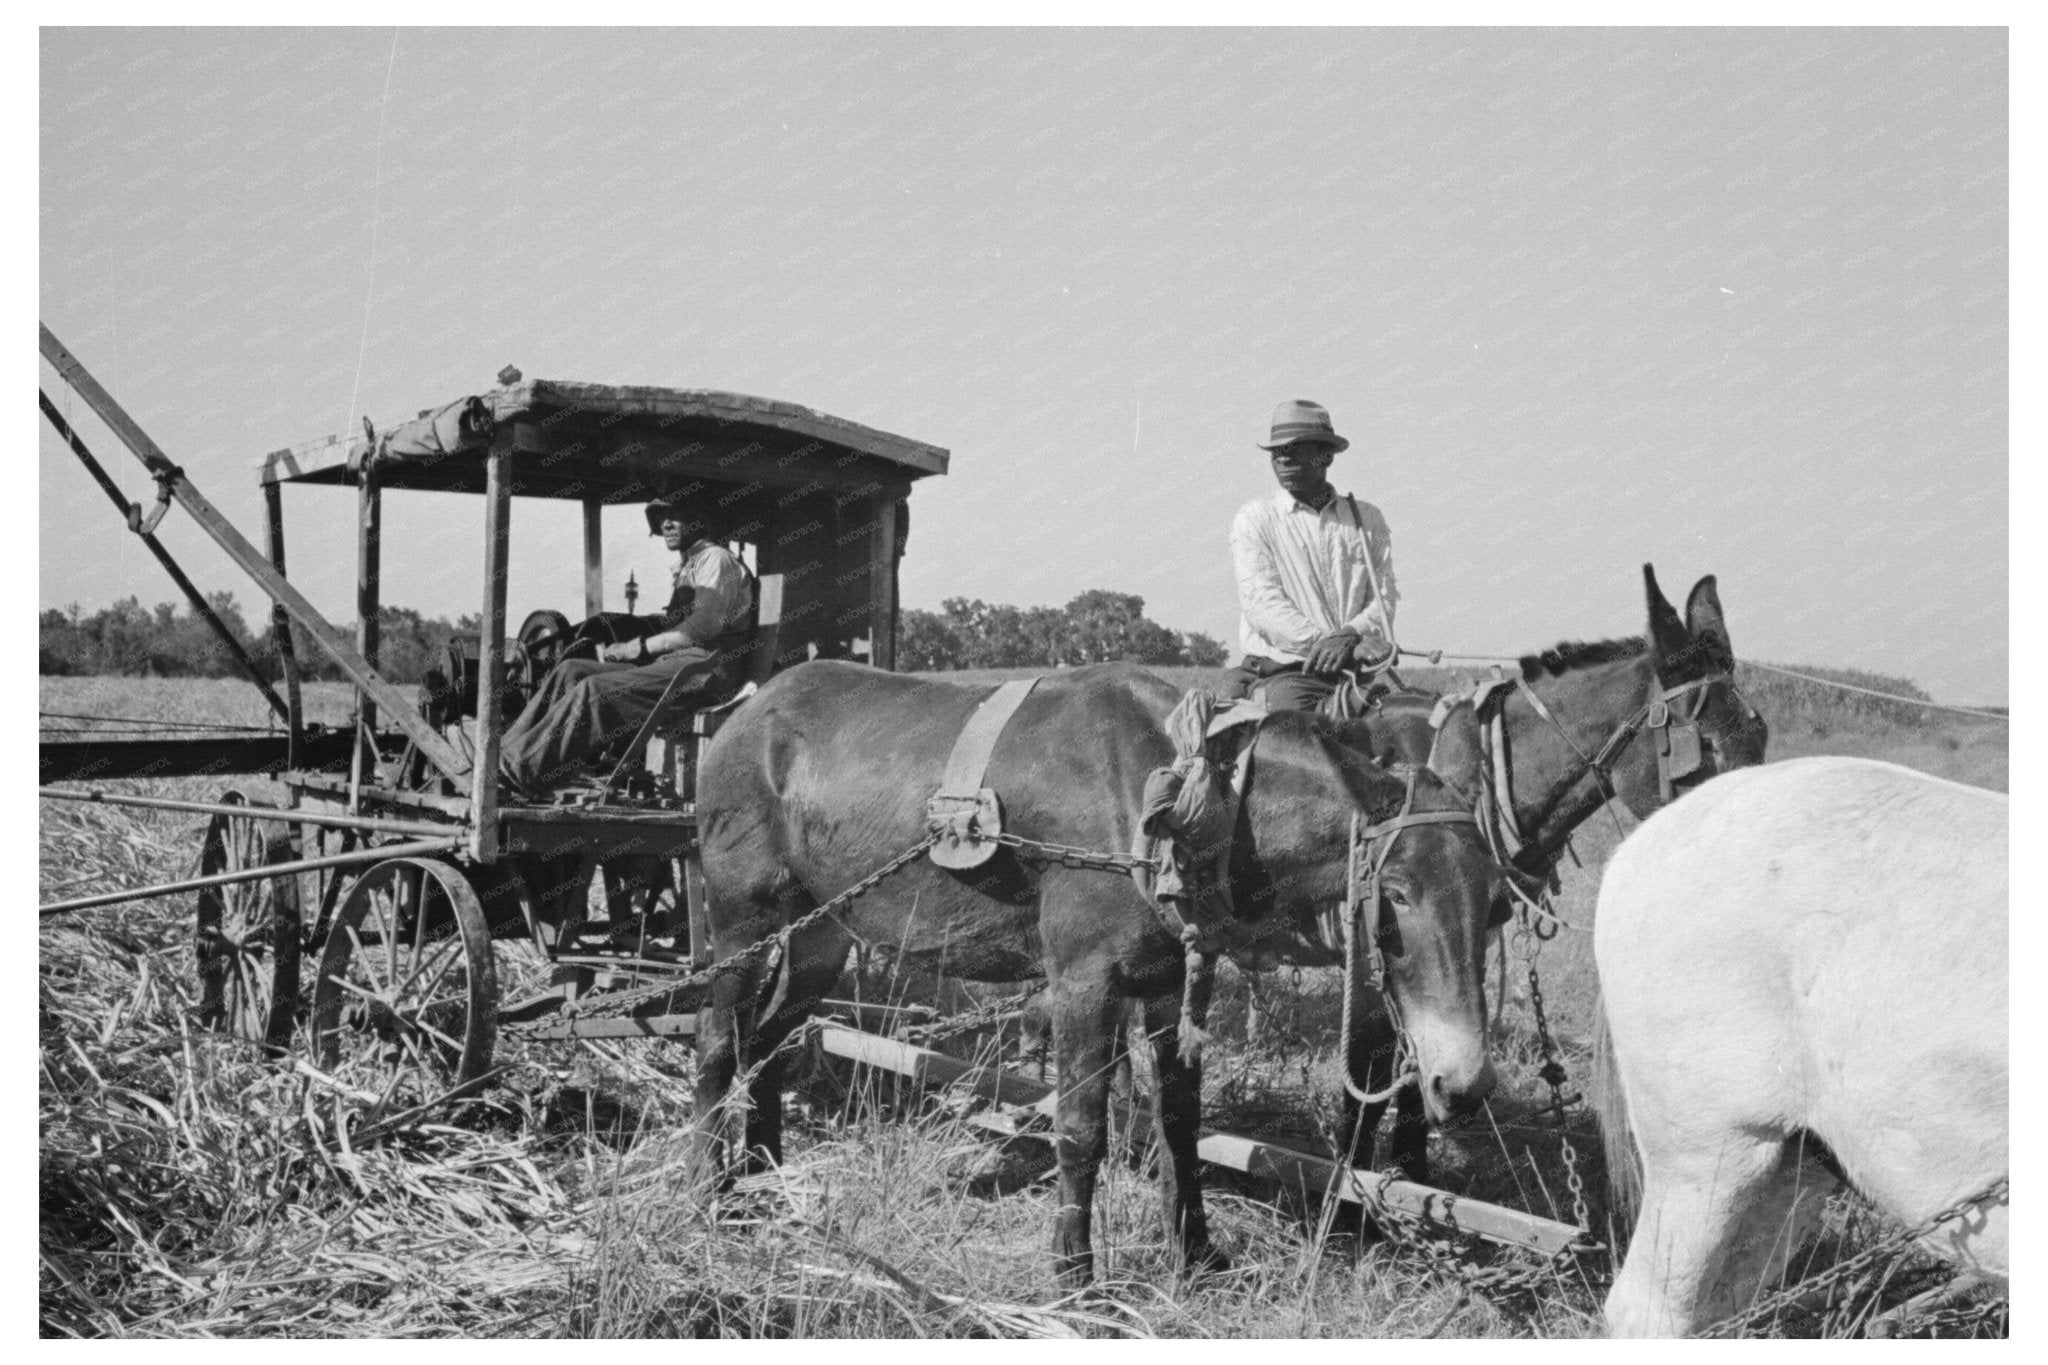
(252, 562)
(1265, 1160)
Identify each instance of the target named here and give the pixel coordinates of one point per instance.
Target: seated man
(584, 706)
(1315, 572)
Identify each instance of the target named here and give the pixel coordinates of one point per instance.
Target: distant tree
(925, 642)
(1203, 651)
(1096, 627)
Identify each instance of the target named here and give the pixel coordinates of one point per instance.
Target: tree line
(128, 638)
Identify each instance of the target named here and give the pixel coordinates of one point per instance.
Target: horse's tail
(1617, 1134)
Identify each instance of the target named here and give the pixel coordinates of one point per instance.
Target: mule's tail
(1617, 1134)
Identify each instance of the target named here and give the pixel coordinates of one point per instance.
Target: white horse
(1810, 947)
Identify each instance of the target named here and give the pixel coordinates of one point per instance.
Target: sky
(1730, 301)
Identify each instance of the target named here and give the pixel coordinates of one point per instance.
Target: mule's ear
(1668, 636)
(1704, 622)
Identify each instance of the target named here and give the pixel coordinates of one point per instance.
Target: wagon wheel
(247, 936)
(406, 1002)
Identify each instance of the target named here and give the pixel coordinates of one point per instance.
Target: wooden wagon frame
(415, 835)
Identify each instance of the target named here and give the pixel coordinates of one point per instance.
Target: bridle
(1671, 716)
(1677, 738)
(1364, 919)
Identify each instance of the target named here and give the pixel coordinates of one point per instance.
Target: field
(189, 1188)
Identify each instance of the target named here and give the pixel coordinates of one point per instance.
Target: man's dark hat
(671, 505)
(1300, 420)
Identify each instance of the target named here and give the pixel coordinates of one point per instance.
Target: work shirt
(1302, 574)
(714, 597)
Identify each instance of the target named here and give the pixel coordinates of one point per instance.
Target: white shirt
(1302, 574)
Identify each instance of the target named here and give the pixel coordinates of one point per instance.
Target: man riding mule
(824, 775)
(1315, 574)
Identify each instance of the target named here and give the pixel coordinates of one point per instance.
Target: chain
(981, 1016)
(612, 1003)
(1528, 945)
(1452, 1254)
(1067, 855)
(1862, 1260)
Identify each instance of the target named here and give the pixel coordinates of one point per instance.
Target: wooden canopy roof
(620, 443)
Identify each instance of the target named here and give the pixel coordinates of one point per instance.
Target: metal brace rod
(252, 562)
(293, 814)
(146, 528)
(254, 874)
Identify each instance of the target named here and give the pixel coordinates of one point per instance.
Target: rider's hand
(1332, 652)
(1371, 652)
(626, 652)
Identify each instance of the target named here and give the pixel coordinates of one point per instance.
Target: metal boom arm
(173, 482)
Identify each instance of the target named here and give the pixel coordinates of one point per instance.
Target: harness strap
(969, 761)
(966, 814)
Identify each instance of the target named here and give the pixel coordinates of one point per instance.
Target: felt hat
(670, 505)
(1300, 420)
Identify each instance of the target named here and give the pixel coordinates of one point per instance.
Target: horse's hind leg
(812, 965)
(1689, 1263)
(726, 1020)
(1177, 1117)
(1085, 1016)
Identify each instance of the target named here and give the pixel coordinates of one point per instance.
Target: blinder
(1677, 740)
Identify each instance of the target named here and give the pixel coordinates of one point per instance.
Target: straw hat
(1300, 420)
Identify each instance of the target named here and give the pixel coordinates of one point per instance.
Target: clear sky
(1731, 301)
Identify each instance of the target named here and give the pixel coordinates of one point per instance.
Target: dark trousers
(1290, 687)
(584, 707)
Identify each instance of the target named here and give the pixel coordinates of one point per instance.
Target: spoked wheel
(248, 932)
(405, 1007)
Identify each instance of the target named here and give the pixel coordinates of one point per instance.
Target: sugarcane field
(624, 856)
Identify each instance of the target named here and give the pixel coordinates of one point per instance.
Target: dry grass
(187, 1187)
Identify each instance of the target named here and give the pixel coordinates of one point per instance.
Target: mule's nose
(1451, 1093)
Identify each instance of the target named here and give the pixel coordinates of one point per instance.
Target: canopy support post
(281, 629)
(882, 583)
(369, 602)
(490, 719)
(593, 556)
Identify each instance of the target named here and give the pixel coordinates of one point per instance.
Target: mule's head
(1713, 729)
(1438, 887)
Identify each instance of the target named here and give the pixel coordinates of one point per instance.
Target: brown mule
(1576, 731)
(822, 777)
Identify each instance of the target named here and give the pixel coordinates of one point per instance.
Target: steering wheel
(545, 639)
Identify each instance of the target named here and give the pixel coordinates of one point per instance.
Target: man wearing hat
(586, 705)
(1315, 572)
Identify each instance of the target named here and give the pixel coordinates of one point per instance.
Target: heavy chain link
(1527, 945)
(1882, 1250)
(1511, 1272)
(1067, 855)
